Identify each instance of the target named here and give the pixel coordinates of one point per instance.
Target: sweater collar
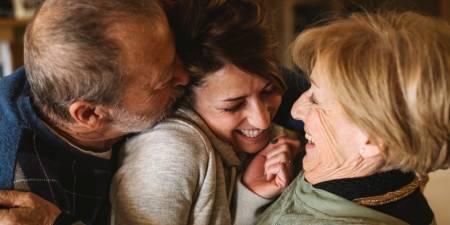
(360, 187)
(336, 206)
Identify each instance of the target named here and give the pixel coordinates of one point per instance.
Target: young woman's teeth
(309, 138)
(251, 133)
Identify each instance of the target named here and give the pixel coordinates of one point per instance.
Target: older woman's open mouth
(310, 143)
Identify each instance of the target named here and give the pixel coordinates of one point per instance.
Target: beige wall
(283, 23)
(437, 192)
(445, 10)
(282, 10)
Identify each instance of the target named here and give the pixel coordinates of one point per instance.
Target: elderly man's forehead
(147, 48)
(127, 26)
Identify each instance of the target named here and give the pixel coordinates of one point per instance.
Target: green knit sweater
(301, 203)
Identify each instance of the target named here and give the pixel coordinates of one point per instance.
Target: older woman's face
(334, 143)
(238, 107)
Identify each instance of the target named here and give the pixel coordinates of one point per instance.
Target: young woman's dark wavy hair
(213, 33)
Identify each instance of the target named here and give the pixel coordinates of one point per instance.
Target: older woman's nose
(301, 107)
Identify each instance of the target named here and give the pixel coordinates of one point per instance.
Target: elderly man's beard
(132, 122)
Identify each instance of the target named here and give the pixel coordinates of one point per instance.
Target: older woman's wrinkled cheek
(331, 154)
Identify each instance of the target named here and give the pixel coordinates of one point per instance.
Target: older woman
(189, 168)
(376, 116)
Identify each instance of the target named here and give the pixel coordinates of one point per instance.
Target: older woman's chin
(317, 171)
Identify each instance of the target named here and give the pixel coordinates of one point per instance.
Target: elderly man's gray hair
(71, 54)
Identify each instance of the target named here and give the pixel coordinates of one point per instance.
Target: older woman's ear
(371, 149)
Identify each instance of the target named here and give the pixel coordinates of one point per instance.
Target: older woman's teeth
(309, 138)
(251, 133)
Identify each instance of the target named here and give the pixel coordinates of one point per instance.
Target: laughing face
(336, 147)
(238, 107)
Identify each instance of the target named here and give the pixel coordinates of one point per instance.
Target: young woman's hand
(271, 171)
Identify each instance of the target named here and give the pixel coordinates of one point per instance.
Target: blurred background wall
(289, 17)
(14, 16)
(292, 16)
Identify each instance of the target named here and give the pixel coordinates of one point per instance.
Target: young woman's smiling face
(238, 107)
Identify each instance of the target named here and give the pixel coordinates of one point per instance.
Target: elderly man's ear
(88, 115)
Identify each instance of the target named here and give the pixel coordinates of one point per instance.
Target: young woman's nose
(259, 115)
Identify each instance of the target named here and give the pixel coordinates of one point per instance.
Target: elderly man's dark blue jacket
(33, 158)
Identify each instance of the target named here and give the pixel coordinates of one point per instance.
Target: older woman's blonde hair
(391, 74)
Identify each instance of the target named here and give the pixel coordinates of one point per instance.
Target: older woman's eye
(312, 99)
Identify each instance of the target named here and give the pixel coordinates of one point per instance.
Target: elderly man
(94, 72)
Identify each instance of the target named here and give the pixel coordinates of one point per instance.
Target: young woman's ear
(88, 115)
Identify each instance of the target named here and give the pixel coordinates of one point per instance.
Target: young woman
(218, 159)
